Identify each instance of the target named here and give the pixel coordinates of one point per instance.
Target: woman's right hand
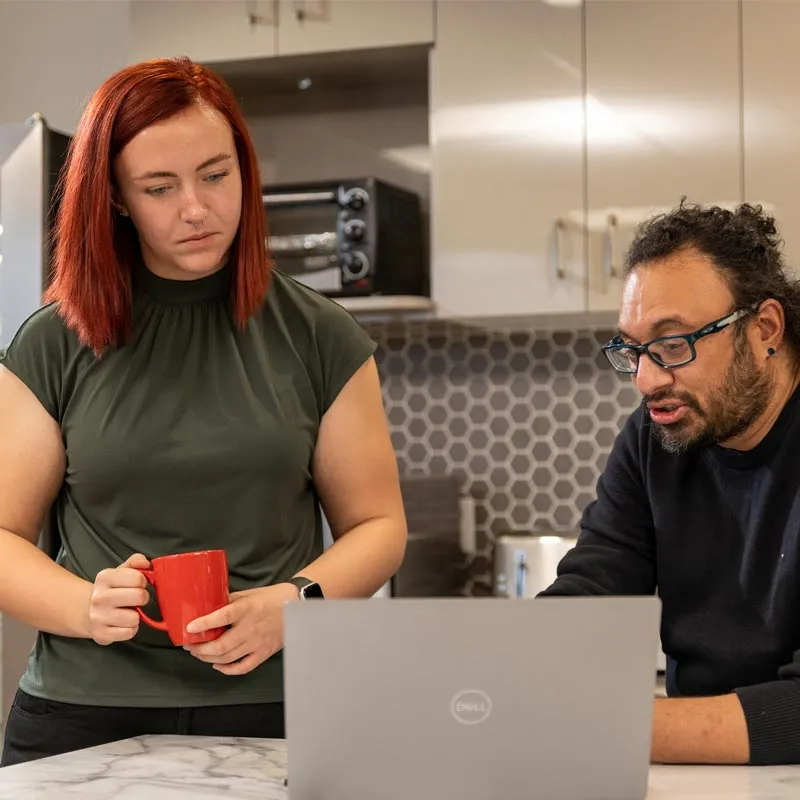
(115, 595)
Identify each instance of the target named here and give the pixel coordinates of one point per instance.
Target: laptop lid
(423, 699)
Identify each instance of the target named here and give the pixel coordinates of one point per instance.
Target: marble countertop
(194, 768)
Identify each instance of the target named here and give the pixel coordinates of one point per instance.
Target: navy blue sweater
(717, 533)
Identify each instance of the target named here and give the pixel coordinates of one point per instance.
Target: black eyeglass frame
(616, 344)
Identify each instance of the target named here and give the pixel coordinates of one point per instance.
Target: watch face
(312, 591)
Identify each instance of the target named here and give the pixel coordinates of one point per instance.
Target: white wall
(345, 144)
(55, 53)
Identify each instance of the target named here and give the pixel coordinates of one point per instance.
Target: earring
(771, 351)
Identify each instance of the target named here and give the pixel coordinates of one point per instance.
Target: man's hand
(700, 730)
(255, 617)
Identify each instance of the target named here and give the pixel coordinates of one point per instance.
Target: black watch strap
(308, 588)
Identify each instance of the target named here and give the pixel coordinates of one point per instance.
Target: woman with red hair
(174, 394)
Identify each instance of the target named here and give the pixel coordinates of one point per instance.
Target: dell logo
(471, 706)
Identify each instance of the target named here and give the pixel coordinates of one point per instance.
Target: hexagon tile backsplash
(526, 418)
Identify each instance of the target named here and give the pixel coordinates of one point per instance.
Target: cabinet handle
(613, 246)
(561, 232)
(254, 18)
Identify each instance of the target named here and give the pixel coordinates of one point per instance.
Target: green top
(195, 435)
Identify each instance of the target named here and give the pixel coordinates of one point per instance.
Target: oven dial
(354, 266)
(354, 198)
(354, 230)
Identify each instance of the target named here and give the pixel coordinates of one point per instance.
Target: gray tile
(397, 415)
(500, 426)
(498, 350)
(521, 412)
(479, 464)
(583, 399)
(542, 450)
(542, 349)
(543, 477)
(500, 502)
(500, 451)
(563, 412)
(520, 339)
(479, 414)
(584, 424)
(458, 426)
(480, 388)
(521, 516)
(520, 387)
(564, 464)
(542, 426)
(417, 452)
(520, 464)
(437, 414)
(499, 400)
(565, 516)
(478, 439)
(520, 490)
(520, 362)
(563, 490)
(585, 451)
(437, 440)
(584, 348)
(521, 440)
(606, 412)
(542, 502)
(562, 361)
(563, 438)
(418, 428)
(459, 453)
(500, 477)
(542, 400)
(417, 402)
(584, 373)
(436, 365)
(606, 437)
(585, 477)
(438, 465)
(479, 362)
(563, 388)
(628, 397)
(458, 402)
(399, 440)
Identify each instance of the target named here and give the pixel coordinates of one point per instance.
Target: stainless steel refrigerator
(31, 157)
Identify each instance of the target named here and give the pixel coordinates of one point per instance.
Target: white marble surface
(194, 768)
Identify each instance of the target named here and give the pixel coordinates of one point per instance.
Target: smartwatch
(309, 590)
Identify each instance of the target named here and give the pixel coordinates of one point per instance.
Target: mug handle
(159, 625)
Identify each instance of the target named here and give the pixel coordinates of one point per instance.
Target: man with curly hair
(700, 499)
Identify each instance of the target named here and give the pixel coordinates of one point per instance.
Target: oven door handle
(298, 198)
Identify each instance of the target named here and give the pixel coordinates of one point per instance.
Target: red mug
(188, 586)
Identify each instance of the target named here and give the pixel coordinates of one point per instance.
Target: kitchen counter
(194, 768)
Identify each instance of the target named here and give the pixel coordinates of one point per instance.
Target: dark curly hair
(743, 244)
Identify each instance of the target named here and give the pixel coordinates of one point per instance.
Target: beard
(732, 407)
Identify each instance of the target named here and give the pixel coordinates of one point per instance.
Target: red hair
(95, 248)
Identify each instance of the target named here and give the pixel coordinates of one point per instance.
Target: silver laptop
(470, 699)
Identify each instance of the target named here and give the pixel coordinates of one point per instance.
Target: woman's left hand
(255, 617)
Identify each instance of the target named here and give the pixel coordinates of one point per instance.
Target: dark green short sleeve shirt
(194, 435)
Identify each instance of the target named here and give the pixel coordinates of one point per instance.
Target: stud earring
(771, 351)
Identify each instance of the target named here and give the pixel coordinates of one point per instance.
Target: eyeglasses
(666, 351)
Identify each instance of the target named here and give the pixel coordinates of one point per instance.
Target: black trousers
(39, 728)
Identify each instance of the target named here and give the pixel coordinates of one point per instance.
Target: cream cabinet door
(506, 137)
(318, 26)
(205, 30)
(772, 115)
(662, 80)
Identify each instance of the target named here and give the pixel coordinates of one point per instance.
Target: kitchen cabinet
(663, 118)
(506, 136)
(317, 26)
(207, 31)
(772, 114)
